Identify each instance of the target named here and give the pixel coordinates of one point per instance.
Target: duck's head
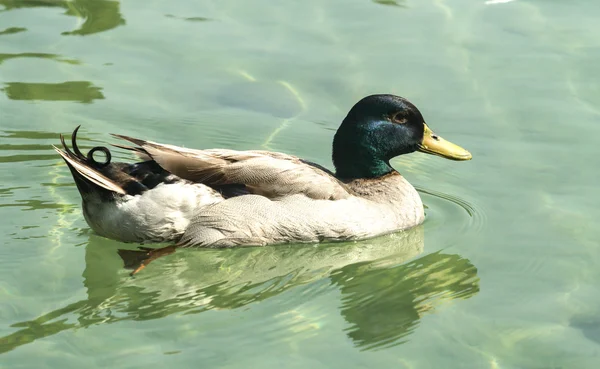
(380, 127)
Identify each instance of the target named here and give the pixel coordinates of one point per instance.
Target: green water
(503, 274)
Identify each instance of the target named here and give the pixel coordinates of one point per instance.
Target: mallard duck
(225, 198)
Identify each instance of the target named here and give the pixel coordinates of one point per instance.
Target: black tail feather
(85, 170)
(74, 144)
(106, 178)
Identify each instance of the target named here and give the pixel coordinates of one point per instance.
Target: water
(503, 274)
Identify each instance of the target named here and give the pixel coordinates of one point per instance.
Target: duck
(221, 198)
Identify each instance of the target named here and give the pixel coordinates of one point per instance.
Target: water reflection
(399, 3)
(32, 135)
(28, 152)
(189, 19)
(81, 91)
(4, 57)
(400, 294)
(12, 30)
(382, 299)
(99, 15)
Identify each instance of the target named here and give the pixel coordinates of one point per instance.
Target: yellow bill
(435, 145)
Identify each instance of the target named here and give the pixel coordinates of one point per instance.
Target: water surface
(503, 274)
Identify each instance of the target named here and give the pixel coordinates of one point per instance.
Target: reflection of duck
(223, 198)
(381, 298)
(402, 294)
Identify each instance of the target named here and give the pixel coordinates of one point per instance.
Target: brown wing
(263, 173)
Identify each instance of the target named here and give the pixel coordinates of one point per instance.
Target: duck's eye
(399, 119)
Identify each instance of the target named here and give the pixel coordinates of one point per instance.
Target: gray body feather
(388, 206)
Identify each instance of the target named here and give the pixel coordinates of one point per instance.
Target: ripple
(457, 200)
(25, 151)
(34, 178)
(33, 135)
(22, 158)
(6, 192)
(39, 204)
(451, 212)
(55, 57)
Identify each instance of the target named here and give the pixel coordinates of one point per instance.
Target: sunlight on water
(503, 273)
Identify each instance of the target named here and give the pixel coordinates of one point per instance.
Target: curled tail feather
(84, 168)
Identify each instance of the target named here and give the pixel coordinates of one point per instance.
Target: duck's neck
(361, 151)
(360, 165)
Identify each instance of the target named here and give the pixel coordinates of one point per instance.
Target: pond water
(503, 273)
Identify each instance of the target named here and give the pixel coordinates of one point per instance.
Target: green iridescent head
(379, 128)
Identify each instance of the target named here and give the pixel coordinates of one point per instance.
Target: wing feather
(265, 173)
